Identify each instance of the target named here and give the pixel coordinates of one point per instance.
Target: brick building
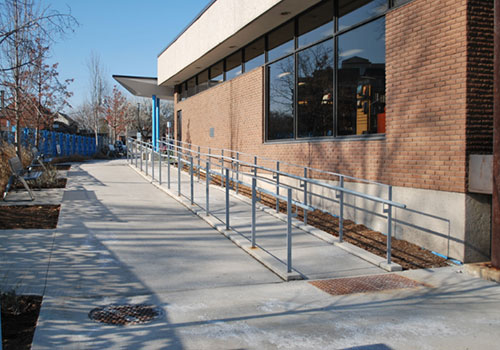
(395, 91)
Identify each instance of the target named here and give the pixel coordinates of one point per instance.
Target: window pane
(316, 24)
(233, 65)
(361, 80)
(254, 54)
(281, 41)
(191, 87)
(216, 76)
(355, 11)
(203, 81)
(183, 92)
(400, 2)
(281, 90)
(314, 95)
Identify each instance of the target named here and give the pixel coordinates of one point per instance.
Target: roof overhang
(224, 27)
(145, 87)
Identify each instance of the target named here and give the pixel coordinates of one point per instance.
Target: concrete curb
(260, 255)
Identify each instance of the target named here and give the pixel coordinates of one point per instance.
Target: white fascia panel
(219, 22)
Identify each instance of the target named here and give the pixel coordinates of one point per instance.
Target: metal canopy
(145, 87)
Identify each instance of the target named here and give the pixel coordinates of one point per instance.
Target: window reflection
(254, 54)
(280, 41)
(203, 81)
(216, 74)
(361, 80)
(233, 65)
(355, 11)
(316, 24)
(191, 87)
(315, 93)
(281, 90)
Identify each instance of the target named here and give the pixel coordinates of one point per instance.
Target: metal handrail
(186, 155)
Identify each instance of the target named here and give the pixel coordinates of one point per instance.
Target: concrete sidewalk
(122, 240)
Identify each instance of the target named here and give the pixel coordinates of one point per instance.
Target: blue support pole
(153, 121)
(157, 123)
(155, 116)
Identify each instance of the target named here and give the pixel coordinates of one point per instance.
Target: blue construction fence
(57, 144)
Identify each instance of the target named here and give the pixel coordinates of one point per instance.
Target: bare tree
(98, 87)
(20, 22)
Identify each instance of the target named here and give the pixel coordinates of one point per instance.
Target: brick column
(495, 240)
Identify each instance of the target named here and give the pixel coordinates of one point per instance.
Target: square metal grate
(365, 284)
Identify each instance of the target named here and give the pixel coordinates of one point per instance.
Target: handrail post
(341, 214)
(168, 167)
(207, 188)
(222, 167)
(127, 144)
(227, 198)
(289, 231)
(237, 172)
(277, 186)
(179, 164)
(389, 228)
(254, 183)
(136, 153)
(153, 163)
(305, 195)
(142, 155)
(199, 160)
(255, 166)
(191, 178)
(159, 166)
(147, 160)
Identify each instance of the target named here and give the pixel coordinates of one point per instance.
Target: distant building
(396, 91)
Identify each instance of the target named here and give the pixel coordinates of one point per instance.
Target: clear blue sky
(128, 35)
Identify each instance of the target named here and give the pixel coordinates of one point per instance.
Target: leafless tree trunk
(98, 87)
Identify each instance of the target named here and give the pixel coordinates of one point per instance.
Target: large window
(361, 79)
(314, 91)
(339, 86)
(281, 82)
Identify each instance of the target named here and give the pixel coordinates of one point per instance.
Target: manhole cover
(341, 286)
(125, 314)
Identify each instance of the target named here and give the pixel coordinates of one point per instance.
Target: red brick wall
(427, 107)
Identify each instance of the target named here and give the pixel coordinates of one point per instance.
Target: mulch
(14, 217)
(19, 318)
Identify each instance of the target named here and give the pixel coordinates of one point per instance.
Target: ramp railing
(234, 169)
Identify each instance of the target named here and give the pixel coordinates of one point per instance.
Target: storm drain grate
(125, 314)
(341, 286)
